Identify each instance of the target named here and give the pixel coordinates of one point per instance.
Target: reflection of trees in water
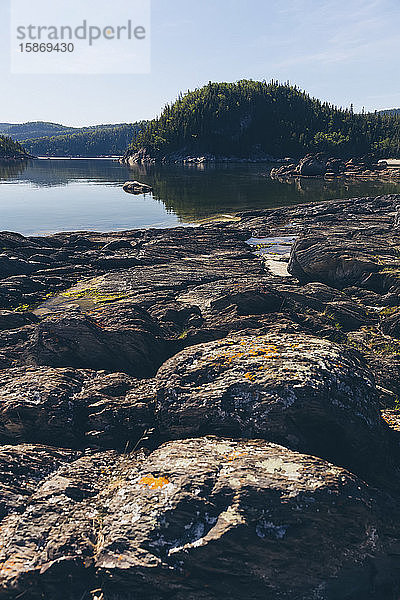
(12, 169)
(195, 193)
(198, 191)
(50, 173)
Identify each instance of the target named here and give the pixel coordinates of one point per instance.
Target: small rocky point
(204, 413)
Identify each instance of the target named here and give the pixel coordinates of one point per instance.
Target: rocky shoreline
(321, 165)
(189, 158)
(204, 412)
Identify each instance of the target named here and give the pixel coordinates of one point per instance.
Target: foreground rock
(302, 392)
(201, 518)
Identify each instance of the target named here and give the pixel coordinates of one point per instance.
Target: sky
(342, 51)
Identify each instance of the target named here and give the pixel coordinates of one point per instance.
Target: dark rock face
(79, 341)
(320, 259)
(73, 408)
(11, 265)
(14, 320)
(48, 547)
(390, 324)
(119, 352)
(37, 406)
(23, 468)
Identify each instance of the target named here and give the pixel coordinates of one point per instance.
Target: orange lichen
(235, 455)
(154, 483)
(249, 376)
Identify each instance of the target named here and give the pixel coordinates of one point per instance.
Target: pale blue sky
(343, 51)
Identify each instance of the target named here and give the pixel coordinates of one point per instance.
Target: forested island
(256, 119)
(390, 111)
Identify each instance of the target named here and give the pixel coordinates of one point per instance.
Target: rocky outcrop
(146, 378)
(79, 341)
(336, 262)
(321, 165)
(187, 157)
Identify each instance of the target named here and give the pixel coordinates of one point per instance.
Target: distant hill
(11, 150)
(102, 140)
(254, 118)
(36, 129)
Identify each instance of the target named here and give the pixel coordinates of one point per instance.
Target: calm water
(45, 196)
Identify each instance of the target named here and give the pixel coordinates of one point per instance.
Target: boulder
(299, 391)
(312, 165)
(335, 262)
(217, 518)
(335, 166)
(202, 518)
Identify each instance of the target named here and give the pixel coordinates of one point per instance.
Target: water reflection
(201, 191)
(54, 195)
(12, 169)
